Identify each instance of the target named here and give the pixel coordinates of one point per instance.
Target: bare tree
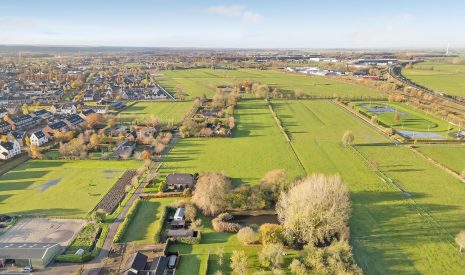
(348, 138)
(247, 235)
(239, 262)
(210, 193)
(315, 209)
(460, 239)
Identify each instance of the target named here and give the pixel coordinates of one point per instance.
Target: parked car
(28, 269)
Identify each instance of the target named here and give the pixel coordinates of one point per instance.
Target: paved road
(93, 267)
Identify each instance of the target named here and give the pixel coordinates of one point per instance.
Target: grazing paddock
(197, 82)
(147, 221)
(165, 111)
(59, 188)
(39, 230)
(390, 233)
(257, 146)
(441, 77)
(452, 156)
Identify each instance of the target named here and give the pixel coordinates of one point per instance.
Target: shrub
(220, 224)
(297, 268)
(239, 262)
(271, 233)
(188, 240)
(190, 212)
(272, 255)
(247, 235)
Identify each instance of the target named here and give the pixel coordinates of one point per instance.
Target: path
(93, 267)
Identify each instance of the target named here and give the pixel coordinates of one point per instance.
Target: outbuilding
(39, 255)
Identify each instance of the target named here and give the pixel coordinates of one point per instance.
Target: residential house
(144, 131)
(99, 109)
(180, 181)
(59, 126)
(24, 122)
(5, 127)
(3, 112)
(19, 137)
(86, 113)
(65, 109)
(9, 149)
(74, 121)
(38, 138)
(43, 114)
(124, 149)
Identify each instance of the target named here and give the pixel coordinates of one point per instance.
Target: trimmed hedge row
(159, 223)
(87, 256)
(188, 240)
(127, 220)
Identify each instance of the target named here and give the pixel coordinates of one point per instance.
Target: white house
(179, 215)
(38, 138)
(9, 149)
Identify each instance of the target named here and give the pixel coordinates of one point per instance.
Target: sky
(234, 24)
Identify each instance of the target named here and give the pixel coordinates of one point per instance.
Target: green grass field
(452, 156)
(389, 234)
(59, 188)
(163, 110)
(446, 78)
(204, 81)
(257, 146)
(146, 222)
(410, 119)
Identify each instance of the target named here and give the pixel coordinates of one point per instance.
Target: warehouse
(39, 255)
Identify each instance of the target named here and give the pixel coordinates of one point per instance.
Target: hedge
(87, 256)
(127, 220)
(159, 224)
(188, 240)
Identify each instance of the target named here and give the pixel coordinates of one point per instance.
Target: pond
(244, 219)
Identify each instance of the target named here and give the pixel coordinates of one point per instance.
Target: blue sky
(234, 24)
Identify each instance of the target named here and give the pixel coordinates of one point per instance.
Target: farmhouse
(138, 264)
(39, 254)
(180, 181)
(9, 149)
(38, 138)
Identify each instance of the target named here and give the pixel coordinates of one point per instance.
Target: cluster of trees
(79, 147)
(313, 214)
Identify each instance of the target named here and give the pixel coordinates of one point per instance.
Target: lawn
(59, 188)
(452, 156)
(257, 146)
(204, 81)
(163, 110)
(447, 78)
(390, 234)
(146, 222)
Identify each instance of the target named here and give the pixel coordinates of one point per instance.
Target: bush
(190, 212)
(272, 255)
(220, 224)
(188, 240)
(247, 235)
(271, 233)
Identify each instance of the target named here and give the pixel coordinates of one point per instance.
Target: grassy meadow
(451, 156)
(257, 146)
(163, 110)
(389, 233)
(446, 78)
(197, 82)
(146, 222)
(59, 188)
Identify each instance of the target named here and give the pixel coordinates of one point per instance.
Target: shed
(179, 215)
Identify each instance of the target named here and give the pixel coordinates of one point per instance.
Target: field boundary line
(286, 136)
(412, 204)
(438, 164)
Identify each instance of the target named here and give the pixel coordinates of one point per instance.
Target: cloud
(16, 23)
(241, 11)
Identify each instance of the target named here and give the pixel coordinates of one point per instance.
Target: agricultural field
(163, 110)
(204, 81)
(257, 146)
(441, 77)
(146, 222)
(390, 234)
(451, 156)
(59, 188)
(407, 120)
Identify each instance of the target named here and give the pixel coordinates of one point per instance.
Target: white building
(38, 138)
(9, 149)
(179, 215)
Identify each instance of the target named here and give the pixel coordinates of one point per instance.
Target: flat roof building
(39, 255)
